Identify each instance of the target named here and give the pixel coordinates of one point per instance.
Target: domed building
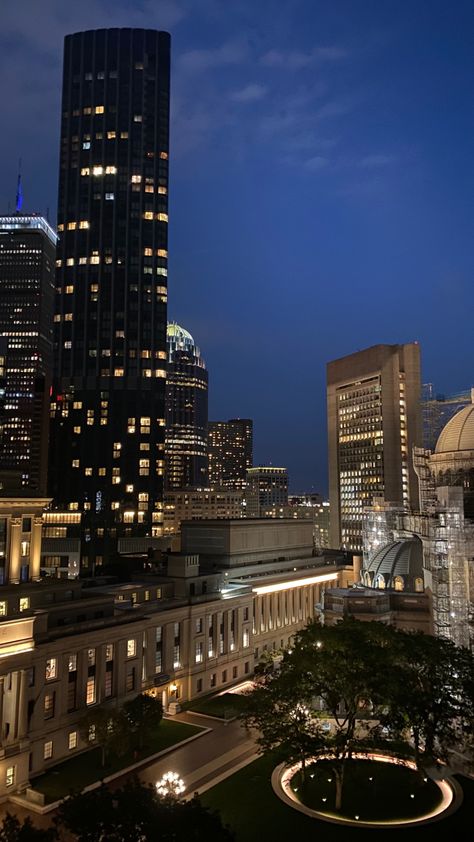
(452, 463)
(398, 565)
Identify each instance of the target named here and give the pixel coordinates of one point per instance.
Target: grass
(84, 769)
(225, 707)
(374, 791)
(247, 803)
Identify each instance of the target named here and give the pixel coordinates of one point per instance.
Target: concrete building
(374, 421)
(201, 504)
(230, 452)
(27, 261)
(196, 624)
(267, 491)
(186, 458)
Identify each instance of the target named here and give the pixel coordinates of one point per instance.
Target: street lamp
(170, 786)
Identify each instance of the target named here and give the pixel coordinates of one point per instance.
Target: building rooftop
(458, 433)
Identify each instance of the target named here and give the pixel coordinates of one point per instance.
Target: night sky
(322, 187)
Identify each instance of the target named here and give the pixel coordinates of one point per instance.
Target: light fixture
(170, 786)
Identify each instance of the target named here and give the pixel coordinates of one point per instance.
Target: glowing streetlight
(171, 785)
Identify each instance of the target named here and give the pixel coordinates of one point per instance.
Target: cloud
(233, 52)
(376, 160)
(251, 93)
(297, 59)
(317, 163)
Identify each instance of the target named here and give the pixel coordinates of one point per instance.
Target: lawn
(247, 803)
(84, 769)
(225, 706)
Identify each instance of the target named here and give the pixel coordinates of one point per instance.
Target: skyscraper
(230, 452)
(27, 257)
(108, 406)
(374, 421)
(186, 412)
(267, 491)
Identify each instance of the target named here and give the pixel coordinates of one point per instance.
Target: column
(15, 551)
(35, 548)
(22, 723)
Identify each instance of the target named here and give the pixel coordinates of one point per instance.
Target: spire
(19, 190)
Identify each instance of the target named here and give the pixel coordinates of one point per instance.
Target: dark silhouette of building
(27, 257)
(186, 412)
(230, 452)
(374, 421)
(108, 402)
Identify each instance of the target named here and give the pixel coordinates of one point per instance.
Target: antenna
(19, 191)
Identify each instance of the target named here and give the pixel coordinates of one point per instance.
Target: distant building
(230, 452)
(374, 421)
(437, 410)
(186, 413)
(201, 504)
(27, 261)
(267, 491)
(315, 508)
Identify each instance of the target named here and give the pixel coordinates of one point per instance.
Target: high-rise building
(27, 258)
(108, 402)
(230, 452)
(267, 491)
(374, 421)
(438, 409)
(186, 412)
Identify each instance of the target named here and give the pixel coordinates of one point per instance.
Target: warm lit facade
(201, 504)
(186, 412)
(108, 403)
(267, 491)
(230, 452)
(27, 260)
(438, 409)
(197, 626)
(374, 421)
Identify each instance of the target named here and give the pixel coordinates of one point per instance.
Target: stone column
(35, 548)
(22, 723)
(15, 551)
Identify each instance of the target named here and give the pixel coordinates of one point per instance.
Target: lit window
(70, 261)
(51, 669)
(110, 135)
(136, 179)
(110, 170)
(163, 190)
(72, 740)
(160, 372)
(148, 252)
(68, 317)
(129, 489)
(90, 691)
(24, 603)
(48, 750)
(69, 289)
(71, 226)
(72, 663)
(162, 253)
(124, 135)
(91, 735)
(99, 109)
(10, 775)
(85, 171)
(148, 215)
(97, 170)
(95, 258)
(118, 372)
(86, 145)
(162, 217)
(164, 156)
(109, 652)
(131, 648)
(84, 224)
(3, 608)
(109, 197)
(137, 118)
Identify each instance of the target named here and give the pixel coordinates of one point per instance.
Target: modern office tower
(27, 258)
(230, 452)
(437, 410)
(186, 412)
(374, 421)
(267, 491)
(108, 402)
(201, 504)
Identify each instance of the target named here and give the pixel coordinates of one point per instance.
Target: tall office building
(186, 412)
(374, 421)
(267, 491)
(108, 403)
(230, 452)
(27, 257)
(438, 409)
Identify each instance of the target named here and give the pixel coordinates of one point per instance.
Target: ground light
(170, 785)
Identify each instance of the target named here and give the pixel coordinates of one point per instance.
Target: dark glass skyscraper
(108, 407)
(230, 452)
(27, 256)
(186, 412)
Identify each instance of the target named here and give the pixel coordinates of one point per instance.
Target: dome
(178, 334)
(397, 565)
(458, 433)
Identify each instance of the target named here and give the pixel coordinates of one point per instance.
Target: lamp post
(170, 786)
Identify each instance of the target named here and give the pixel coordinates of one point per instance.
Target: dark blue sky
(322, 189)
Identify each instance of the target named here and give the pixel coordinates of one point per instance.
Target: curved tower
(108, 402)
(186, 412)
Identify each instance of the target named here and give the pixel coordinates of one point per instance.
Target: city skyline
(347, 132)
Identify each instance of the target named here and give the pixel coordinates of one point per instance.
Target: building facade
(438, 409)
(201, 504)
(230, 452)
(186, 413)
(267, 491)
(27, 260)
(374, 421)
(108, 402)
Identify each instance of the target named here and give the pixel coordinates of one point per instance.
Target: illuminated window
(129, 489)
(162, 217)
(85, 171)
(136, 179)
(71, 226)
(3, 608)
(124, 135)
(69, 289)
(160, 372)
(163, 190)
(91, 734)
(164, 156)
(90, 691)
(128, 517)
(24, 603)
(148, 252)
(88, 472)
(47, 750)
(70, 261)
(48, 707)
(72, 662)
(148, 215)
(10, 775)
(86, 144)
(97, 170)
(84, 224)
(111, 135)
(102, 472)
(109, 197)
(137, 118)
(95, 259)
(131, 648)
(118, 372)
(68, 317)
(109, 652)
(72, 740)
(51, 669)
(99, 109)
(110, 170)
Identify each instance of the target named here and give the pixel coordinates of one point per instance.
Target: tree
(143, 714)
(12, 830)
(135, 813)
(106, 728)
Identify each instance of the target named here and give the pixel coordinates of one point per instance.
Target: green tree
(106, 728)
(12, 830)
(143, 715)
(135, 813)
